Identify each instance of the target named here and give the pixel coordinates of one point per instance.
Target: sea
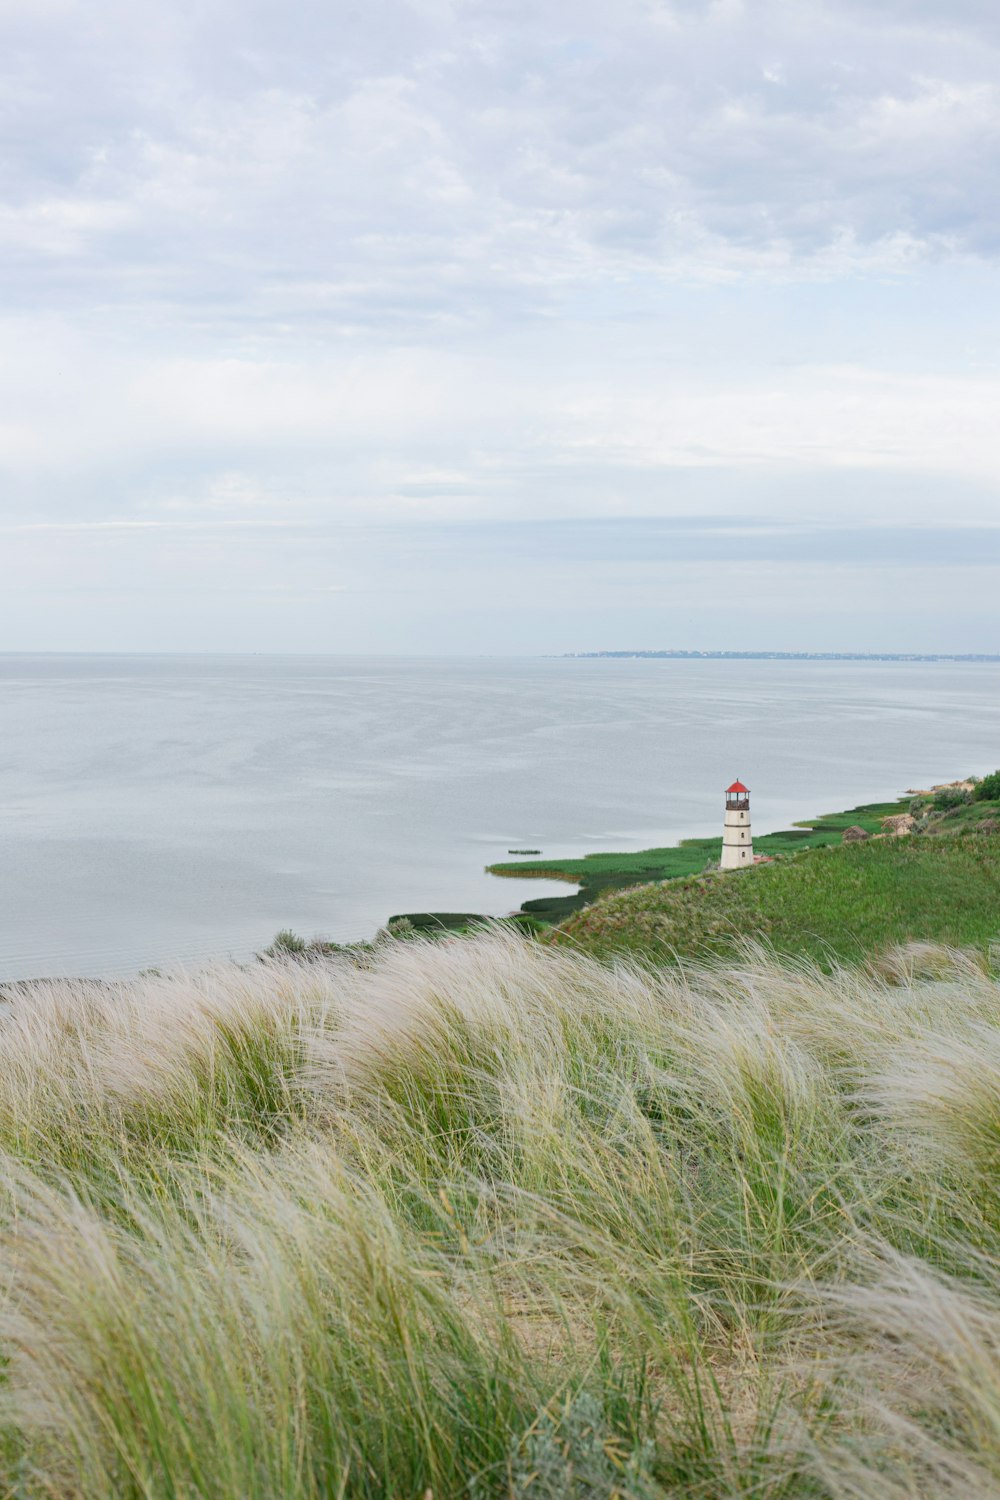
(166, 810)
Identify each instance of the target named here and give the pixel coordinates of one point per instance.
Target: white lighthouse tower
(737, 845)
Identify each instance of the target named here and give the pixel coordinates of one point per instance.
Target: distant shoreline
(967, 656)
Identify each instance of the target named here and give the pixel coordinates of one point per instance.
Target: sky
(477, 326)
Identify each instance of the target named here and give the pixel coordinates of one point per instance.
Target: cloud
(389, 164)
(744, 542)
(99, 438)
(268, 274)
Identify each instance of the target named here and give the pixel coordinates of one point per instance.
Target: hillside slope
(844, 902)
(610, 870)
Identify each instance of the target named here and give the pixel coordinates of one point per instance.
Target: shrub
(988, 790)
(286, 941)
(402, 928)
(950, 797)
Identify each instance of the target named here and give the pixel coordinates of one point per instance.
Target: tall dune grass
(490, 1219)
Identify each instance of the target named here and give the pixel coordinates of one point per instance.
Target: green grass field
(598, 873)
(845, 902)
(488, 1220)
(963, 819)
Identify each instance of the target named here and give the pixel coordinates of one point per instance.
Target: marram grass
(489, 1219)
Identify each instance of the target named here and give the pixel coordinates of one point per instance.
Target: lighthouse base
(736, 857)
(737, 842)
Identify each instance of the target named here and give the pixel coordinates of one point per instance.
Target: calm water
(158, 809)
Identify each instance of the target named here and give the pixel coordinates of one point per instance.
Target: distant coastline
(922, 656)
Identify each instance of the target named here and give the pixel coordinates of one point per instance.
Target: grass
(965, 818)
(597, 874)
(841, 903)
(486, 1218)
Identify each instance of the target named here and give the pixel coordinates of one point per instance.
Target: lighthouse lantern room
(737, 844)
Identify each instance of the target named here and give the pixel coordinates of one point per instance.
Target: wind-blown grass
(489, 1219)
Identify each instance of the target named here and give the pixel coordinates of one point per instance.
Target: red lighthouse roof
(738, 787)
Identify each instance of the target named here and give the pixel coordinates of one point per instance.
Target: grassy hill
(598, 873)
(490, 1221)
(968, 817)
(844, 902)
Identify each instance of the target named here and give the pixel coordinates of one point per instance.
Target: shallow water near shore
(161, 810)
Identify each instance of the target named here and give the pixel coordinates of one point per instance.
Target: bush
(988, 790)
(286, 941)
(950, 797)
(401, 927)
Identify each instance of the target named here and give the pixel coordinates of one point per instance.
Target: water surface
(164, 809)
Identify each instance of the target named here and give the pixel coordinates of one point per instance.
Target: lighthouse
(737, 845)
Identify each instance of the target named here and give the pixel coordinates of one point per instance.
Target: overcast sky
(448, 325)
